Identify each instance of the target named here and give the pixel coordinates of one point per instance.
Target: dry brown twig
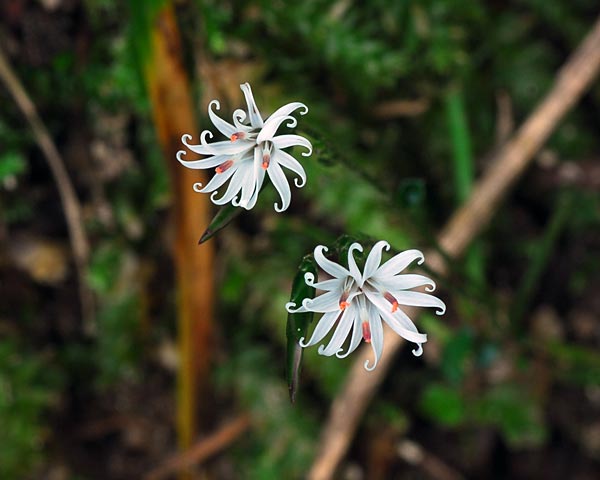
(202, 450)
(69, 200)
(508, 164)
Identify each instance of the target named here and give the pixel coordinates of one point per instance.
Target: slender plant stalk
(173, 115)
(463, 169)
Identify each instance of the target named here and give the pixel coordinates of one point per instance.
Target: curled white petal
(332, 268)
(255, 118)
(281, 185)
(374, 258)
(324, 325)
(286, 160)
(341, 333)
(289, 108)
(418, 299)
(354, 271)
(399, 262)
(271, 126)
(284, 141)
(224, 127)
(376, 328)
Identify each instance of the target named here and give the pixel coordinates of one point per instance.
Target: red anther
(236, 136)
(366, 328)
(390, 298)
(224, 166)
(266, 161)
(343, 305)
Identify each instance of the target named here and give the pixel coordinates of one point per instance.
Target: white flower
(250, 151)
(358, 301)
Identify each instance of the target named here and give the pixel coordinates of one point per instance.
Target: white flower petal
(376, 336)
(374, 259)
(398, 321)
(259, 177)
(234, 186)
(328, 302)
(216, 181)
(333, 284)
(249, 182)
(286, 160)
(202, 163)
(271, 126)
(355, 340)
(321, 330)
(354, 271)
(280, 182)
(332, 268)
(239, 117)
(418, 299)
(255, 118)
(406, 282)
(287, 109)
(284, 141)
(398, 263)
(341, 333)
(224, 127)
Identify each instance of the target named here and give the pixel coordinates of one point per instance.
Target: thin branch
(507, 166)
(414, 454)
(69, 200)
(202, 450)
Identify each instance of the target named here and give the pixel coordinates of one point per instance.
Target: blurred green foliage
(29, 387)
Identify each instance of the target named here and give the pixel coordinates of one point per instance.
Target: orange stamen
(343, 305)
(236, 136)
(266, 161)
(390, 298)
(366, 329)
(224, 166)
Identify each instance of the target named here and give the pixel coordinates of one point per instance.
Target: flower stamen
(366, 331)
(266, 161)
(237, 135)
(390, 298)
(226, 165)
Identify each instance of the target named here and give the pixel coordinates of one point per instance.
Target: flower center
(226, 165)
(390, 298)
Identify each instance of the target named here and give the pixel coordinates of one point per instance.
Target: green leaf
(11, 164)
(443, 404)
(223, 217)
(297, 323)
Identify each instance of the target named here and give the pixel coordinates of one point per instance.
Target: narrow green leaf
(297, 323)
(223, 217)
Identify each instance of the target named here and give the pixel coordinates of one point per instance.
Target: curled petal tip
(417, 352)
(186, 137)
(216, 103)
(289, 306)
(197, 187)
(302, 343)
(180, 154)
(309, 278)
(370, 369)
(299, 182)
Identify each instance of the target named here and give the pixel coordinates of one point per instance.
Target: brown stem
(69, 200)
(173, 115)
(509, 163)
(202, 450)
